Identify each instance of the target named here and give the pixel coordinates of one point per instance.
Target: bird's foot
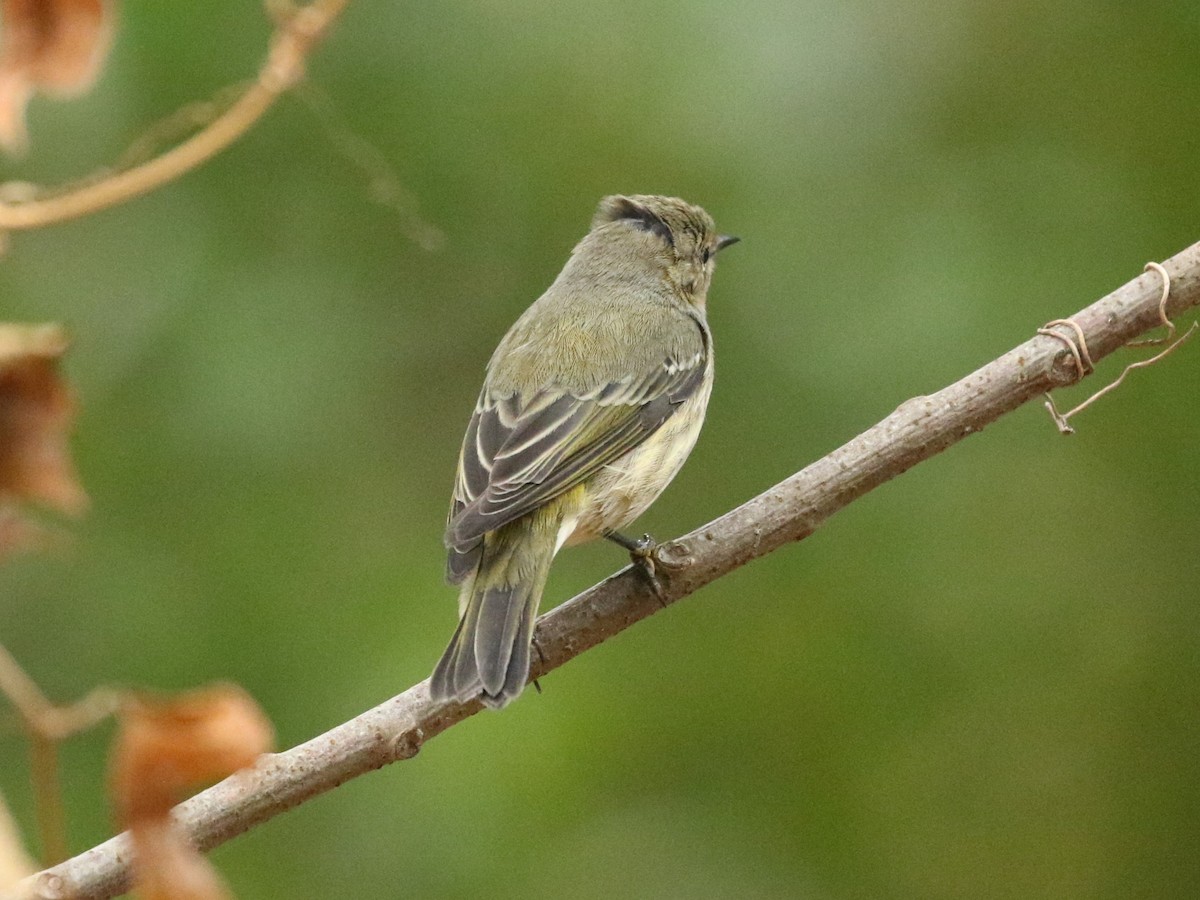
(644, 553)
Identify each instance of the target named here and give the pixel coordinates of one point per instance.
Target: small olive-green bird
(590, 405)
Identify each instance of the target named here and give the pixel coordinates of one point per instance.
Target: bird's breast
(624, 489)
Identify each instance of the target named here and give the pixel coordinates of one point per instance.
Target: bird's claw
(643, 552)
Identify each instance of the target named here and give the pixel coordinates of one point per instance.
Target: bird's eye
(705, 255)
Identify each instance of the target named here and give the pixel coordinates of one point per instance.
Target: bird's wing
(519, 453)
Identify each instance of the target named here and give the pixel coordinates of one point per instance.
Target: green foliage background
(980, 681)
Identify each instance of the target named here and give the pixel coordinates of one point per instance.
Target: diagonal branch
(789, 511)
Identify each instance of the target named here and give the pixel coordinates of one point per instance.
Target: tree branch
(296, 34)
(790, 511)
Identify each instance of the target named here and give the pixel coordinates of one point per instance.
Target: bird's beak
(726, 240)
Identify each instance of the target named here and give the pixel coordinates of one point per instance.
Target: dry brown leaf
(167, 745)
(15, 862)
(167, 867)
(164, 747)
(19, 535)
(57, 46)
(36, 409)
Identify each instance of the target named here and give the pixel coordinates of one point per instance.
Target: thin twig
(33, 708)
(21, 690)
(1061, 419)
(1079, 351)
(791, 510)
(1077, 346)
(38, 713)
(294, 38)
(46, 725)
(383, 182)
(1162, 309)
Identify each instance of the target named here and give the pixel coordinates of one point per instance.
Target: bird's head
(669, 236)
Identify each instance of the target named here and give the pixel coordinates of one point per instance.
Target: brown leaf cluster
(36, 411)
(163, 748)
(54, 46)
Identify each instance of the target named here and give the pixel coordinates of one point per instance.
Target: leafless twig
(46, 725)
(297, 32)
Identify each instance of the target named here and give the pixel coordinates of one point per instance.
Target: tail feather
(500, 613)
(488, 656)
(518, 664)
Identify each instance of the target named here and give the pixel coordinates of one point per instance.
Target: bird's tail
(488, 656)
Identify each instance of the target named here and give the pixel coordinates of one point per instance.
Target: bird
(590, 405)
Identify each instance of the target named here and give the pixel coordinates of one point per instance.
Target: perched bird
(591, 403)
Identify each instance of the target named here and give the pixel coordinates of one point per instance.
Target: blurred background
(981, 680)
